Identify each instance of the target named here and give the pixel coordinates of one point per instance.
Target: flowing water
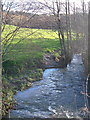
(57, 95)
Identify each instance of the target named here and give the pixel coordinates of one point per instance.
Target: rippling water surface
(57, 95)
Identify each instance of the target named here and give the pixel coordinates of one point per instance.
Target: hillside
(44, 21)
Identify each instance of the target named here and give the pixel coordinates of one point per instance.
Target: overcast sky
(78, 2)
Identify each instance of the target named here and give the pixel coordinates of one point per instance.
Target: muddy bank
(55, 60)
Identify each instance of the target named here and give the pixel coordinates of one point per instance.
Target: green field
(26, 49)
(32, 45)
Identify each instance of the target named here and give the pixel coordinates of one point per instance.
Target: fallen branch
(85, 94)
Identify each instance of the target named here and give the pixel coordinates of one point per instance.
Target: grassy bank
(13, 84)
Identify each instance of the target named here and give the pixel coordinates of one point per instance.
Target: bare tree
(15, 14)
(57, 13)
(67, 28)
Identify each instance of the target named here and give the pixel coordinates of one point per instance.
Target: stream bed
(56, 96)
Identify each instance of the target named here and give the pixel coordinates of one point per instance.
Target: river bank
(56, 96)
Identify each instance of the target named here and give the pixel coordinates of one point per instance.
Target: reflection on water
(57, 95)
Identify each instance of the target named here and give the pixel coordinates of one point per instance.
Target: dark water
(57, 95)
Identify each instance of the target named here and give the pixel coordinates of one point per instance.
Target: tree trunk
(0, 65)
(88, 86)
(67, 32)
(70, 34)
